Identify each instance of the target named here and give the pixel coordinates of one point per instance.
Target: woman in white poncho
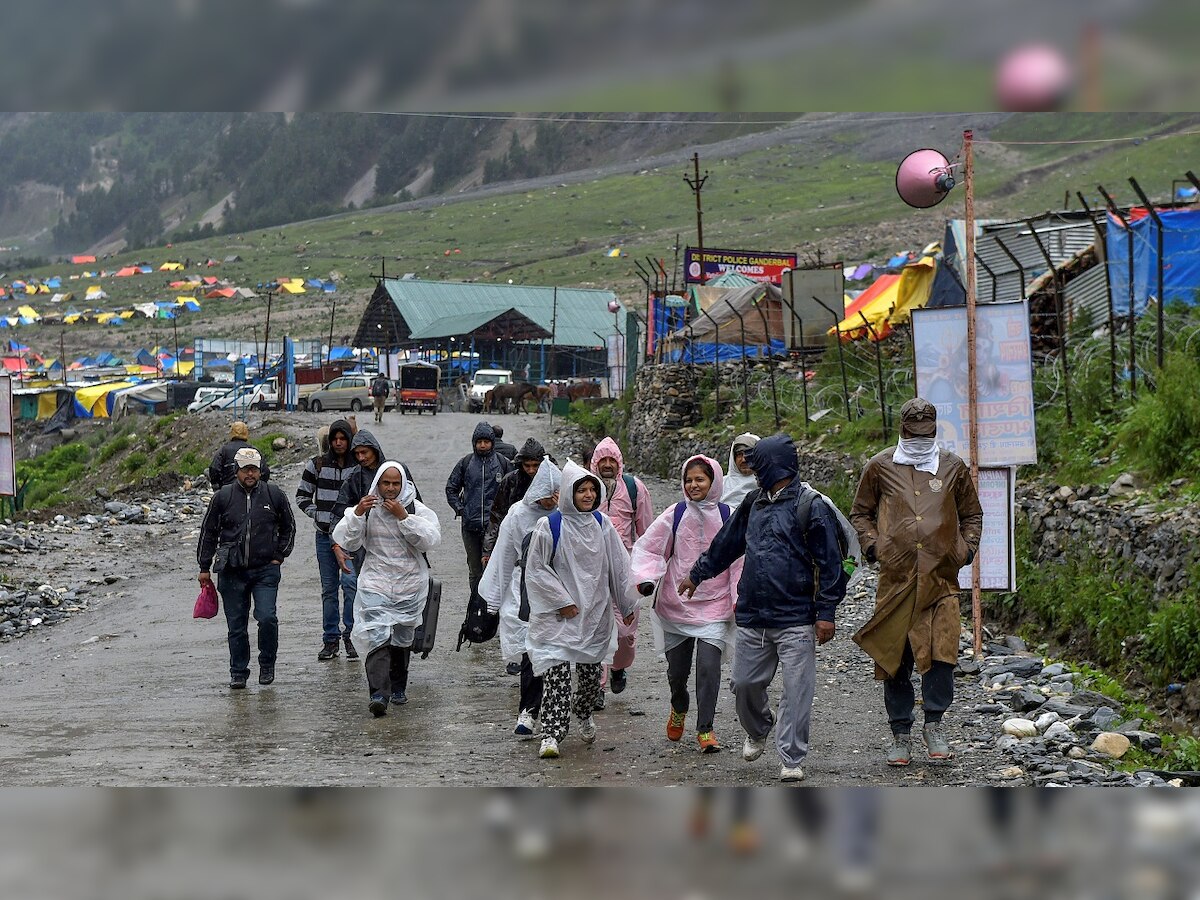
(396, 530)
(500, 586)
(573, 583)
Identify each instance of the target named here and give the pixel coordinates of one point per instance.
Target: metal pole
(1016, 262)
(1112, 207)
(553, 341)
(745, 388)
(1158, 246)
(799, 323)
(991, 274)
(1102, 257)
(972, 386)
(62, 355)
(716, 355)
(1058, 315)
(837, 327)
(879, 374)
(770, 361)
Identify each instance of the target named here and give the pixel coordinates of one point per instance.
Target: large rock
(1021, 728)
(1111, 744)
(1058, 731)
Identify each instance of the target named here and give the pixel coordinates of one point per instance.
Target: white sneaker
(526, 725)
(752, 749)
(587, 730)
(549, 748)
(788, 773)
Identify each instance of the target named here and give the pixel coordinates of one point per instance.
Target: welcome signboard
(759, 265)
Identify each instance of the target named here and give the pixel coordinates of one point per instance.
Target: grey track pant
(759, 653)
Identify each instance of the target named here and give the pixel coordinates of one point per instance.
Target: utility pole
(554, 335)
(262, 364)
(62, 355)
(696, 183)
(332, 312)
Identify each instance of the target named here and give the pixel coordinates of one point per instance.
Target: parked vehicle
(247, 396)
(350, 392)
(484, 381)
(206, 396)
(418, 387)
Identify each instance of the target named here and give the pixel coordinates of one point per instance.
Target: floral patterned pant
(556, 697)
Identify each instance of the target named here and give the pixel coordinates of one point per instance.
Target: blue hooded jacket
(785, 561)
(472, 485)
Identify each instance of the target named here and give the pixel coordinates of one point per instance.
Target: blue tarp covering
(899, 259)
(704, 353)
(1181, 253)
(341, 353)
(862, 272)
(145, 358)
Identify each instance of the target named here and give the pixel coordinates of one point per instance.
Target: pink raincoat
(709, 614)
(618, 506)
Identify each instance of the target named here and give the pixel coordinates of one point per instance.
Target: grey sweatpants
(759, 653)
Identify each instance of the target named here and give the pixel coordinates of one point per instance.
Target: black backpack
(479, 626)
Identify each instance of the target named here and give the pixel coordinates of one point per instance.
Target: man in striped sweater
(317, 496)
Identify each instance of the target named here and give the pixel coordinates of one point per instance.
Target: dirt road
(134, 691)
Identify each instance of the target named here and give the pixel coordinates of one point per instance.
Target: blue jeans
(331, 578)
(239, 587)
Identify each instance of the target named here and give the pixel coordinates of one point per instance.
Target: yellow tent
(92, 397)
(126, 314)
(28, 312)
(183, 368)
(895, 303)
(179, 301)
(293, 287)
(170, 267)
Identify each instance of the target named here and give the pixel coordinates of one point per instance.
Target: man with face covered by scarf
(917, 513)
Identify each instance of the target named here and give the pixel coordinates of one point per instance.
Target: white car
(484, 381)
(258, 396)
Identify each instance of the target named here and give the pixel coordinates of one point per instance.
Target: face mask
(917, 446)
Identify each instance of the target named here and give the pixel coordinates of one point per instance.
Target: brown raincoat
(922, 527)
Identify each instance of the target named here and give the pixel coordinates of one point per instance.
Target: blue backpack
(555, 520)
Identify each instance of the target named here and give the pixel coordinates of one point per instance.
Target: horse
(545, 396)
(583, 389)
(497, 398)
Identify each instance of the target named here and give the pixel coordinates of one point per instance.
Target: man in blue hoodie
(470, 491)
(791, 585)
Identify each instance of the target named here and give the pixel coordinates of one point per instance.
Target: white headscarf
(408, 493)
(737, 485)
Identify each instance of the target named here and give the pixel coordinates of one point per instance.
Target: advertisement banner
(997, 553)
(759, 265)
(8, 463)
(1004, 377)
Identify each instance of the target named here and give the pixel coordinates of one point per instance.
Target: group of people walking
(749, 561)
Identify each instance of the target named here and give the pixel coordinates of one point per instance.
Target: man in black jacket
(790, 587)
(249, 530)
(512, 488)
(503, 447)
(471, 490)
(223, 470)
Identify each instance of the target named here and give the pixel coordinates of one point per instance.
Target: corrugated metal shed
(1065, 234)
(1088, 295)
(400, 310)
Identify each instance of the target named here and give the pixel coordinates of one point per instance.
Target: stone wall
(1120, 522)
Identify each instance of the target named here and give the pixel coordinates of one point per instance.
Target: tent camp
(892, 304)
(729, 312)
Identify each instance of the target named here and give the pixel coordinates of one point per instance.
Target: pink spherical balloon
(1033, 78)
(613, 306)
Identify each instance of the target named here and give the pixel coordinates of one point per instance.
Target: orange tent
(126, 272)
(79, 260)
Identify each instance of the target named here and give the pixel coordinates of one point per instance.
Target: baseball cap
(248, 456)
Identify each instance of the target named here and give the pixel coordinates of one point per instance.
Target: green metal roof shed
(404, 311)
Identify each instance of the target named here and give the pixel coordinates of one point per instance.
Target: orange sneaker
(743, 840)
(675, 725)
(708, 742)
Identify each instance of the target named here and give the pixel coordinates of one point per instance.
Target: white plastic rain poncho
(394, 580)
(737, 485)
(590, 570)
(853, 546)
(708, 615)
(500, 586)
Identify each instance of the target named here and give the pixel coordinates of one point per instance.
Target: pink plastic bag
(206, 603)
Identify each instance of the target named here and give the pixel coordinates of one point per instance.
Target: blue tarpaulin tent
(1181, 255)
(705, 353)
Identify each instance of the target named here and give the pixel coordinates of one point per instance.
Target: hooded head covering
(571, 476)
(607, 448)
(340, 426)
(239, 430)
(714, 492)
(483, 431)
(545, 482)
(531, 450)
(364, 438)
(918, 417)
(407, 492)
(737, 485)
(774, 459)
